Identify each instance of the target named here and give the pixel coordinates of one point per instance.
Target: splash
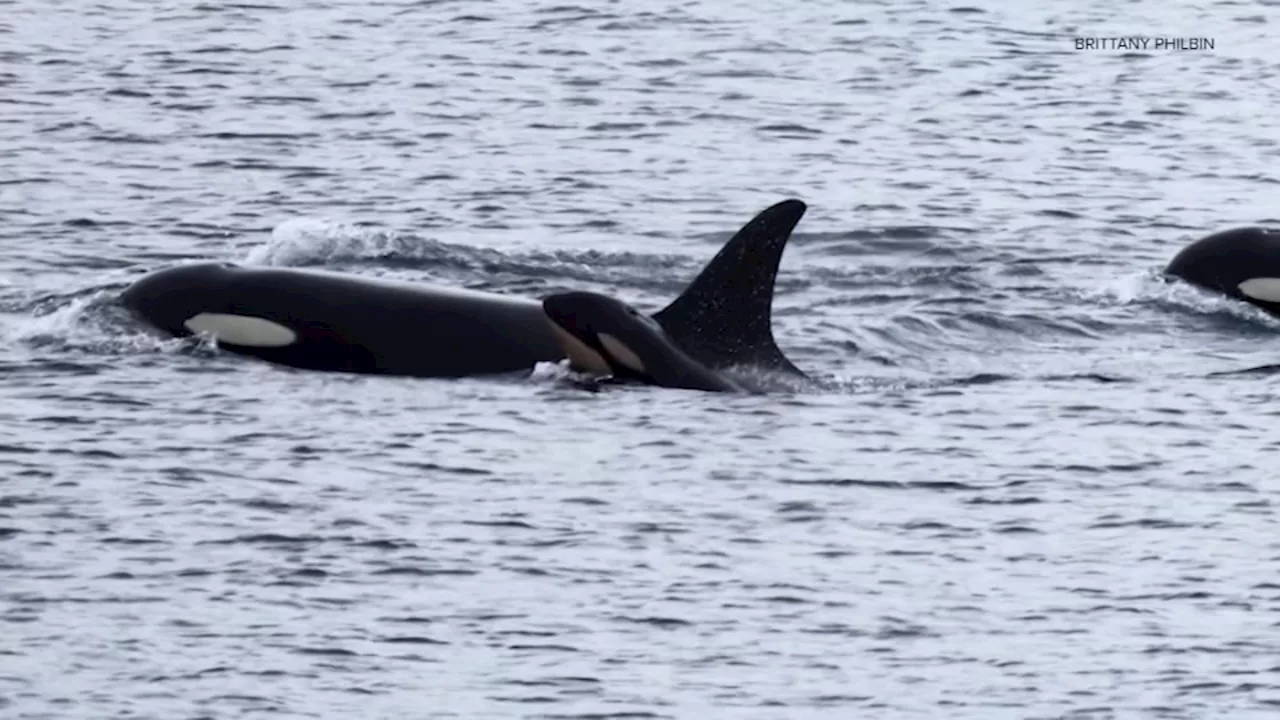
(1126, 289)
(90, 322)
(311, 241)
(307, 242)
(1187, 297)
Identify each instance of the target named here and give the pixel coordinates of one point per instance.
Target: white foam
(82, 322)
(316, 241)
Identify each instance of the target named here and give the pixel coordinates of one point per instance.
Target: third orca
(1242, 263)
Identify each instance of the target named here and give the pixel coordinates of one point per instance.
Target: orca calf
(1242, 263)
(608, 337)
(320, 320)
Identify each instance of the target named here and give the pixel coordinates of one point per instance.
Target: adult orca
(321, 320)
(608, 337)
(1242, 263)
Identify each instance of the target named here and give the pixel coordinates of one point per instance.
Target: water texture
(1030, 481)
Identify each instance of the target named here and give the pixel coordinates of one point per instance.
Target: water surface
(1019, 491)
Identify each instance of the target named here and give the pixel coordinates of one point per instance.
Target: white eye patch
(581, 357)
(242, 330)
(619, 351)
(1266, 289)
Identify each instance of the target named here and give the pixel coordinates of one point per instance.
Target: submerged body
(606, 336)
(322, 320)
(1242, 263)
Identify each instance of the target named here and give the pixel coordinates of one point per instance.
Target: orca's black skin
(1236, 263)
(356, 324)
(607, 336)
(352, 323)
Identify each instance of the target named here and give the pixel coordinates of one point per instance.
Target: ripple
(1025, 456)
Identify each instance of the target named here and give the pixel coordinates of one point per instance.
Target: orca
(329, 321)
(1241, 263)
(607, 337)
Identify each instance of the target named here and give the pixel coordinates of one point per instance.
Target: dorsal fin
(725, 316)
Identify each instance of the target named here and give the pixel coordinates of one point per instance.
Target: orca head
(1242, 263)
(275, 315)
(168, 298)
(200, 299)
(602, 335)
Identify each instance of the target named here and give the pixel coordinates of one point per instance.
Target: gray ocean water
(1022, 489)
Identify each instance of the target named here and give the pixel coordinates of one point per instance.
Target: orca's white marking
(580, 356)
(620, 352)
(242, 330)
(1266, 289)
